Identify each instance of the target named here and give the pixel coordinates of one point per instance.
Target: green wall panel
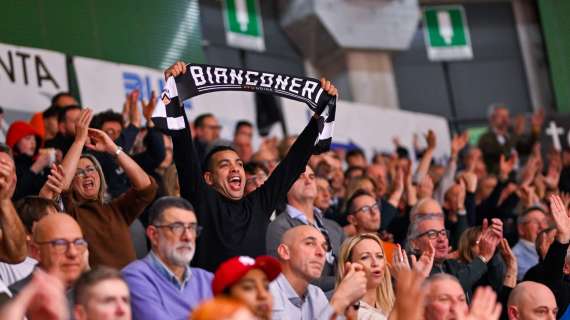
(140, 32)
(556, 27)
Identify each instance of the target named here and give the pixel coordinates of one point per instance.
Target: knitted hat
(18, 130)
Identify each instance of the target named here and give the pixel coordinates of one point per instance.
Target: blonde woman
(366, 249)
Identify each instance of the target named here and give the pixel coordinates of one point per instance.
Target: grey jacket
(285, 221)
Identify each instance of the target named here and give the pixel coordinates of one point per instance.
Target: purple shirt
(154, 295)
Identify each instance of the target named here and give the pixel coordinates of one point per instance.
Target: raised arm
(13, 247)
(425, 162)
(101, 142)
(72, 156)
(288, 170)
(457, 144)
(185, 156)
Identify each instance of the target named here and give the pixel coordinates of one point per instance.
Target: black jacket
(554, 278)
(235, 227)
(29, 183)
(60, 142)
(467, 274)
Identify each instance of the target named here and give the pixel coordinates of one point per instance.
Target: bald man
(301, 254)
(531, 300)
(60, 249)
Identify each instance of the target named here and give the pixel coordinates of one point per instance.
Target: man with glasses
(427, 234)
(60, 249)
(162, 284)
(302, 211)
(364, 213)
(529, 224)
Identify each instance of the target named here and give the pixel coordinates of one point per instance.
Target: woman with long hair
(367, 249)
(104, 221)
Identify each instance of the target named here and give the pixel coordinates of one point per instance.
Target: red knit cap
(232, 270)
(18, 130)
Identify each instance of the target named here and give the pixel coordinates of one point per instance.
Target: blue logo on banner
(133, 81)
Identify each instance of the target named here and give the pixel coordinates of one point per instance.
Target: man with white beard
(162, 284)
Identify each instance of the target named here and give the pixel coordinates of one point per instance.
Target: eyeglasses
(178, 228)
(62, 245)
(434, 234)
(82, 173)
(368, 209)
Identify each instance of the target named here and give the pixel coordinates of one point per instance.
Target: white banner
(368, 127)
(373, 129)
(29, 77)
(104, 85)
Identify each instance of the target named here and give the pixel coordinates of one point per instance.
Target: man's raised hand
(55, 183)
(175, 70)
(560, 216)
(329, 87)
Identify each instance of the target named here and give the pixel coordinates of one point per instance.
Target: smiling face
(226, 174)
(87, 182)
(253, 290)
(370, 255)
(440, 242)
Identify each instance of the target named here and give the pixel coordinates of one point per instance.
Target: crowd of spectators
(103, 217)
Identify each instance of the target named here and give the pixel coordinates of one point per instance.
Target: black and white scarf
(201, 78)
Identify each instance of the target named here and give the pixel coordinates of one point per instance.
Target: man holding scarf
(235, 224)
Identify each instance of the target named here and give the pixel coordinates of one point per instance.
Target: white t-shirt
(10, 273)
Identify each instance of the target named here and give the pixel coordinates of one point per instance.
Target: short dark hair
(32, 208)
(242, 123)
(59, 95)
(357, 194)
(352, 169)
(355, 152)
(106, 116)
(157, 209)
(207, 165)
(63, 113)
(402, 153)
(252, 166)
(199, 121)
(52, 111)
(92, 278)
